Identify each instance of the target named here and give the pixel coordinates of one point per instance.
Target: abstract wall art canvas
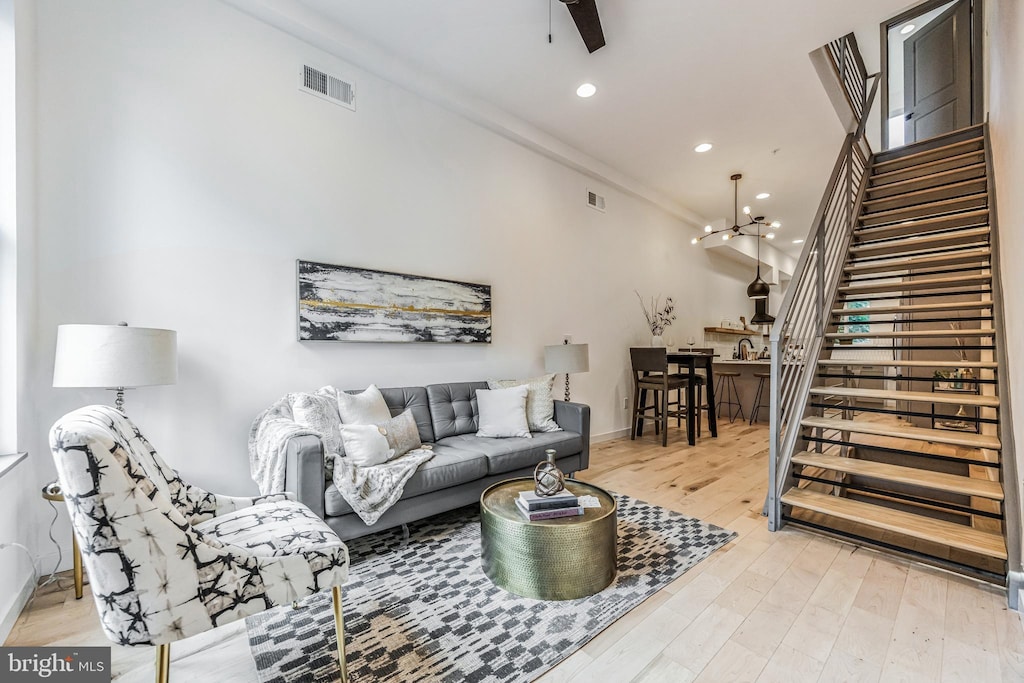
(340, 303)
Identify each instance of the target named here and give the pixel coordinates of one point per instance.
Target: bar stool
(650, 373)
(763, 378)
(729, 394)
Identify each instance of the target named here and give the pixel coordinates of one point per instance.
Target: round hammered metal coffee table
(552, 559)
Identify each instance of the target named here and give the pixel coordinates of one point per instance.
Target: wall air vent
(325, 86)
(595, 201)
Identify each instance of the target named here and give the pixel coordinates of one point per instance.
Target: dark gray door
(937, 75)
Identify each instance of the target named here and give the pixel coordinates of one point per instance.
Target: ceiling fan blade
(584, 13)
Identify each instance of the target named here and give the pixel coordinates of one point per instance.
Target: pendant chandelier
(758, 289)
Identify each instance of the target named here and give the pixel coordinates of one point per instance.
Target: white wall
(181, 173)
(1005, 90)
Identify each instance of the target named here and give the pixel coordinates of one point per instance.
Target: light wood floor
(786, 607)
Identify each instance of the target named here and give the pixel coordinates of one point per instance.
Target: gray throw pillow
(401, 433)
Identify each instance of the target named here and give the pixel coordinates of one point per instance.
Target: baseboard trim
(609, 436)
(24, 595)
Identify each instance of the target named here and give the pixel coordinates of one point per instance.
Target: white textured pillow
(503, 412)
(320, 413)
(366, 445)
(366, 408)
(540, 404)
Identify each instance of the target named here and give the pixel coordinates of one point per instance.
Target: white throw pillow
(366, 445)
(366, 408)
(540, 404)
(503, 412)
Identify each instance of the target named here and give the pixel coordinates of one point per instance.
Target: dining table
(693, 361)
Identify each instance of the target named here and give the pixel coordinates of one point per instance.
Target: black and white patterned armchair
(167, 560)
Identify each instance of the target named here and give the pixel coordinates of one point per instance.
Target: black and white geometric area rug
(424, 611)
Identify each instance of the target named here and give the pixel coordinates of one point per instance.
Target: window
(857, 322)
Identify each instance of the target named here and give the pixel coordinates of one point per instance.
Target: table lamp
(567, 358)
(115, 357)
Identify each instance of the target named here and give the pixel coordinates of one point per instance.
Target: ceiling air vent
(595, 201)
(325, 86)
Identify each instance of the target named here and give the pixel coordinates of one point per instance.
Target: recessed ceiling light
(907, 29)
(764, 195)
(703, 147)
(798, 241)
(776, 224)
(707, 228)
(586, 90)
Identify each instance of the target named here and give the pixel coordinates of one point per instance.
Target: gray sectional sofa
(463, 464)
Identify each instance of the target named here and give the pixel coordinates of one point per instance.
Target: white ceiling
(674, 73)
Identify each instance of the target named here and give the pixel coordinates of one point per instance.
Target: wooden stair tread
(911, 285)
(927, 191)
(916, 308)
(969, 168)
(915, 396)
(938, 162)
(855, 267)
(885, 255)
(914, 241)
(938, 204)
(938, 481)
(968, 440)
(909, 334)
(923, 221)
(916, 526)
(839, 362)
(900, 155)
(866, 237)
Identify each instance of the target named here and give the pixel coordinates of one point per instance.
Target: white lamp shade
(114, 356)
(567, 358)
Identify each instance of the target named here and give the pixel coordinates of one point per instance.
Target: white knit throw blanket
(371, 491)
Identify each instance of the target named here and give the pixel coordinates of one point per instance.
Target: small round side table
(553, 559)
(53, 493)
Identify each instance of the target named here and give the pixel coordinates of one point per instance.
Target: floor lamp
(115, 357)
(567, 358)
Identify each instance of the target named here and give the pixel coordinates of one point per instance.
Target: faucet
(739, 347)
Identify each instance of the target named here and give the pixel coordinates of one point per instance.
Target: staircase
(888, 417)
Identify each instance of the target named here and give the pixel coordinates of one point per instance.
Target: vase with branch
(959, 377)
(961, 351)
(659, 316)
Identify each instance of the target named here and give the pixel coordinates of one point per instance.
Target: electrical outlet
(625, 403)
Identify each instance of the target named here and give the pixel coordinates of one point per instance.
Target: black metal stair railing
(798, 333)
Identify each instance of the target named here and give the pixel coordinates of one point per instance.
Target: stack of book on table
(562, 504)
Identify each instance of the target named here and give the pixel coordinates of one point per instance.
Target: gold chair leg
(163, 663)
(76, 556)
(339, 631)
